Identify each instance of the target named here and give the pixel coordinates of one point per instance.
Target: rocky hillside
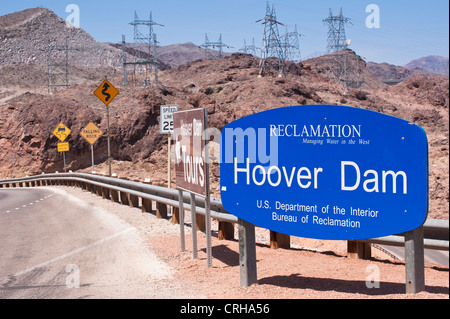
(25, 39)
(26, 35)
(229, 88)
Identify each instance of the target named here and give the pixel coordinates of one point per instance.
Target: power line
(272, 45)
(57, 67)
(145, 54)
(210, 47)
(339, 60)
(249, 49)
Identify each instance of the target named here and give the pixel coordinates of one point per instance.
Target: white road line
(101, 241)
(37, 201)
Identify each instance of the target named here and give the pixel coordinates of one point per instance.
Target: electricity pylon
(272, 45)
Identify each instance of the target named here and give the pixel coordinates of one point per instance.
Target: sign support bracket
(194, 227)
(92, 156)
(64, 156)
(414, 260)
(247, 253)
(181, 208)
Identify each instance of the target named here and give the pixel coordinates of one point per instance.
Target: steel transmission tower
(339, 59)
(145, 53)
(272, 45)
(57, 65)
(292, 45)
(336, 32)
(249, 49)
(210, 46)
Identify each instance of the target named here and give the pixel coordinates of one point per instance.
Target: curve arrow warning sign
(106, 92)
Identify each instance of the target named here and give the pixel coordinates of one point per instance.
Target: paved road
(439, 257)
(55, 246)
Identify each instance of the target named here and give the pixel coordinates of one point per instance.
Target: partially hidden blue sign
(325, 172)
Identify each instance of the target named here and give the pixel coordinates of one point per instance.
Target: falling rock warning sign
(91, 133)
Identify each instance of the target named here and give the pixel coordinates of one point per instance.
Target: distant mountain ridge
(430, 66)
(432, 63)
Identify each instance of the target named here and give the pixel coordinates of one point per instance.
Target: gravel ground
(310, 269)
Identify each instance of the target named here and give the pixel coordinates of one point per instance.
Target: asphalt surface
(53, 245)
(438, 257)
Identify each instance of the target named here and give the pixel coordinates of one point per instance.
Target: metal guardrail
(436, 231)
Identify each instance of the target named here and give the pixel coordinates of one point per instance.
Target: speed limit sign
(166, 118)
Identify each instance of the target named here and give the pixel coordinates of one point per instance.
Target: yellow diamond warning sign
(106, 92)
(61, 132)
(91, 133)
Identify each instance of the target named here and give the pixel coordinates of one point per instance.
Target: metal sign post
(106, 92)
(64, 156)
(109, 141)
(61, 132)
(207, 197)
(194, 227)
(414, 261)
(191, 166)
(181, 207)
(169, 173)
(92, 156)
(91, 133)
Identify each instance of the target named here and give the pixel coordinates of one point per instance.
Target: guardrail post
(161, 210)
(201, 222)
(175, 215)
(278, 240)
(114, 195)
(133, 200)
(124, 199)
(98, 190)
(358, 250)
(226, 231)
(105, 193)
(146, 205)
(247, 253)
(414, 261)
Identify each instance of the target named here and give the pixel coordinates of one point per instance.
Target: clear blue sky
(409, 29)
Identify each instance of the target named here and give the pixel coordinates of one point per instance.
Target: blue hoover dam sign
(325, 172)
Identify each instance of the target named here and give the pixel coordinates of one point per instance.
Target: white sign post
(166, 127)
